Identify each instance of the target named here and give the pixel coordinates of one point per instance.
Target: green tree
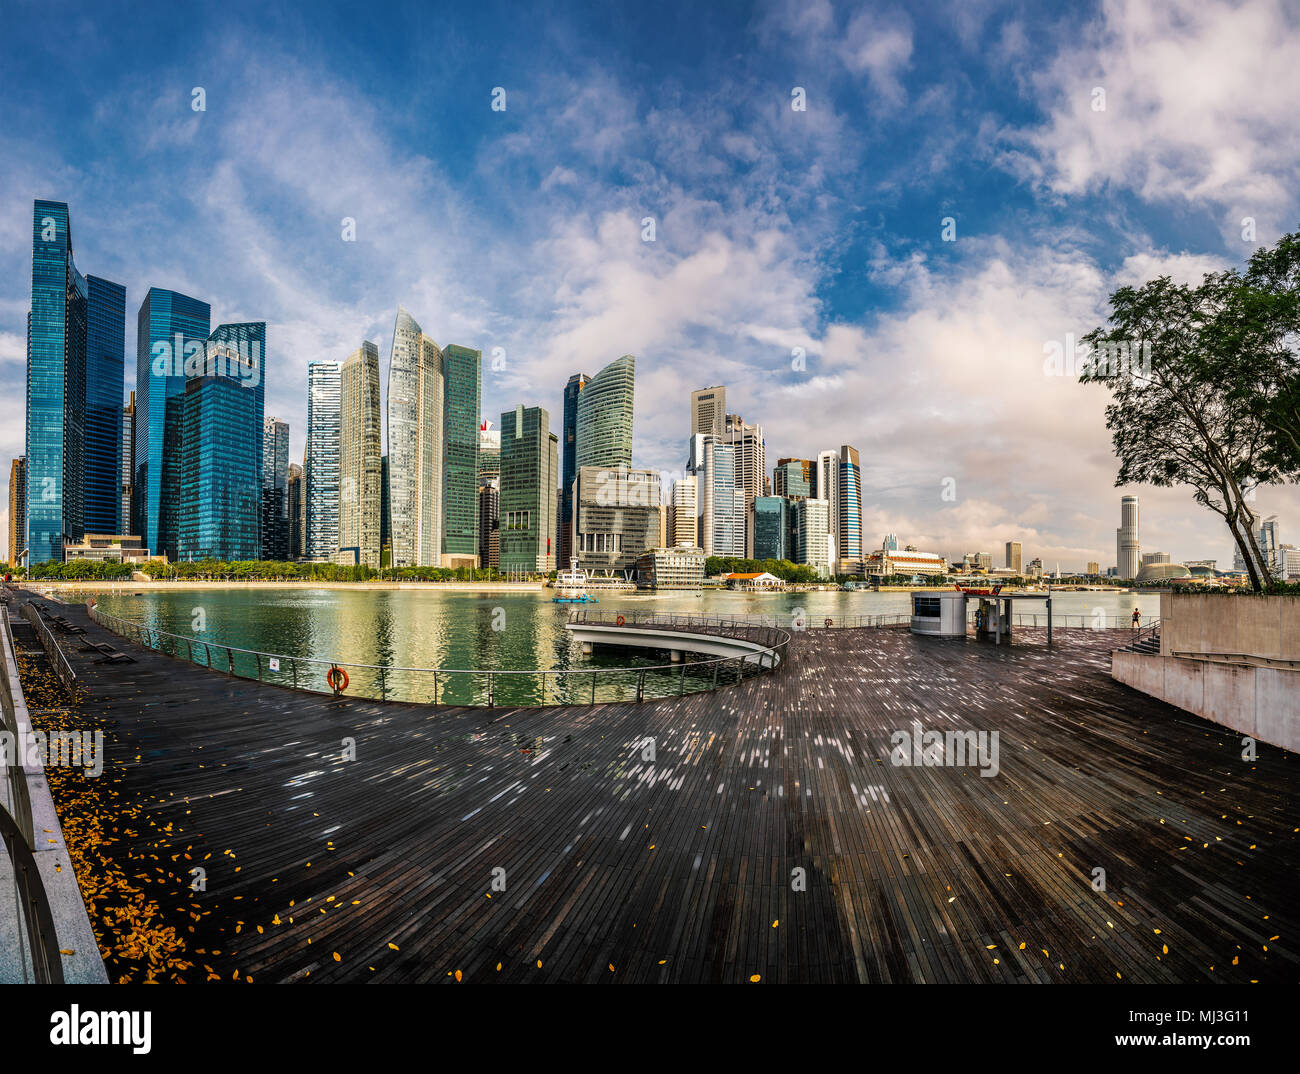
(1173, 420)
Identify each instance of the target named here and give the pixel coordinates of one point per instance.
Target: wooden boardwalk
(620, 869)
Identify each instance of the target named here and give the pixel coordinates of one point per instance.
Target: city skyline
(908, 339)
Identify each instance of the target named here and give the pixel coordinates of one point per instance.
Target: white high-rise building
(709, 411)
(684, 517)
(826, 475)
(415, 445)
(1127, 551)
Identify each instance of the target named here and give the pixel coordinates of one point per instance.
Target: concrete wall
(1209, 623)
(1261, 702)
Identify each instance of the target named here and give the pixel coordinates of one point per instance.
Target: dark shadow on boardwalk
(680, 869)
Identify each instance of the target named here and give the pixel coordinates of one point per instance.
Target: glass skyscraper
(219, 509)
(604, 416)
(56, 387)
(170, 328)
(529, 473)
(321, 461)
(275, 489)
(771, 526)
(569, 463)
(415, 444)
(105, 349)
(461, 392)
(360, 458)
(849, 505)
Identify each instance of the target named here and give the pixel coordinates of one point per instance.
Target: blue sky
(774, 228)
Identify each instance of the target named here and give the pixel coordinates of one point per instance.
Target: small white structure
(940, 613)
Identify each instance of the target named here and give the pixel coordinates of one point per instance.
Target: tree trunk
(1241, 522)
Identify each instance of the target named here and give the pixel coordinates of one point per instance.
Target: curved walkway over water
(679, 869)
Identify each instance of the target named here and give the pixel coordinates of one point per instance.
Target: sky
(886, 267)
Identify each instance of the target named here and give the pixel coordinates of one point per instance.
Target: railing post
(491, 684)
(230, 660)
(259, 667)
(383, 694)
(640, 686)
(593, 686)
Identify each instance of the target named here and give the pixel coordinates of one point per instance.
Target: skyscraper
(847, 510)
(684, 520)
(529, 474)
(721, 502)
(102, 459)
(295, 511)
(616, 517)
(127, 477)
(360, 468)
(709, 411)
(321, 461)
(812, 534)
(17, 510)
(56, 388)
(171, 328)
(569, 452)
(275, 488)
(1127, 550)
(770, 524)
(826, 486)
(793, 478)
(415, 445)
(1014, 556)
(219, 493)
(462, 379)
(604, 417)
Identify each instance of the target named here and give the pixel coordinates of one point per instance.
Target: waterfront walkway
(618, 869)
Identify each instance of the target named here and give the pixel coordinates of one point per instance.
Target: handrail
(58, 658)
(60, 943)
(1249, 659)
(390, 677)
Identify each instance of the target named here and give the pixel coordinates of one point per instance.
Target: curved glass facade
(604, 418)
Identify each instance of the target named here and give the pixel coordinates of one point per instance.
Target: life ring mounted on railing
(829, 622)
(337, 679)
(620, 620)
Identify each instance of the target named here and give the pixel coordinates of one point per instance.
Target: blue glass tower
(56, 387)
(105, 347)
(171, 327)
(220, 473)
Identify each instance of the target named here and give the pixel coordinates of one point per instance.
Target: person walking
(1137, 619)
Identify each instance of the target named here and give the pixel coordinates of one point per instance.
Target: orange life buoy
(620, 620)
(830, 623)
(333, 676)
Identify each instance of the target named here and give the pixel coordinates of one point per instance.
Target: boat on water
(576, 580)
(581, 598)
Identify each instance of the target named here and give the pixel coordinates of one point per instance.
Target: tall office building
(530, 465)
(1127, 551)
(793, 478)
(126, 477)
(105, 350)
(385, 516)
(890, 543)
(604, 417)
(1014, 556)
(489, 454)
(275, 488)
(295, 511)
(219, 494)
(462, 380)
(811, 525)
(489, 495)
(826, 486)
(721, 502)
(17, 510)
(321, 461)
(616, 517)
(847, 511)
(74, 364)
(751, 461)
(415, 445)
(171, 329)
(569, 465)
(709, 411)
(770, 525)
(684, 515)
(360, 466)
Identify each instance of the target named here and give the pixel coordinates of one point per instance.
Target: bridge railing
(455, 686)
(53, 650)
(55, 941)
(788, 621)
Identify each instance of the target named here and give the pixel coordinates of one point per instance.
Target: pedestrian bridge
(756, 647)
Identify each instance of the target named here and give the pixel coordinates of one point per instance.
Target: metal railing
(1082, 622)
(786, 622)
(1238, 659)
(56, 943)
(53, 650)
(453, 686)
